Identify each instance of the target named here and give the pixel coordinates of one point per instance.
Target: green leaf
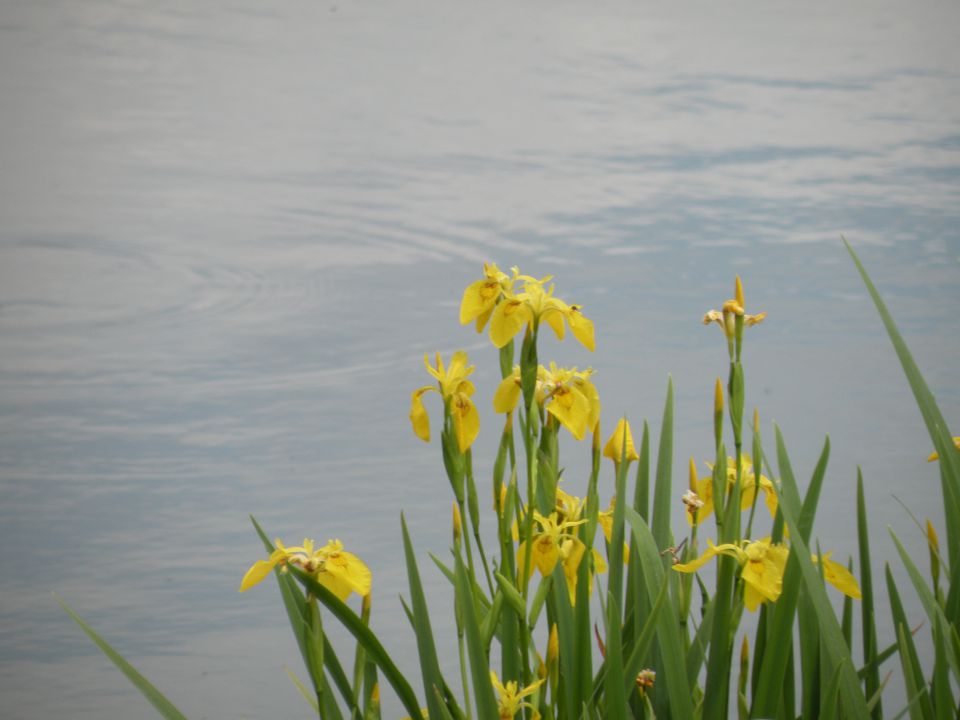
(615, 694)
(427, 651)
(934, 613)
(663, 498)
(479, 663)
(936, 425)
(641, 646)
(853, 701)
(310, 697)
(871, 678)
(920, 706)
(672, 696)
(355, 626)
(156, 698)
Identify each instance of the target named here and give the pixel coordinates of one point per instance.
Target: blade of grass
(154, 696)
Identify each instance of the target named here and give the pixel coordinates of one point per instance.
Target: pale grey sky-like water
(230, 230)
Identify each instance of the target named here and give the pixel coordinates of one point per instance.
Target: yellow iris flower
(492, 299)
(566, 393)
(726, 318)
(337, 570)
(481, 297)
(548, 542)
(934, 456)
(456, 391)
(761, 567)
(748, 488)
(510, 699)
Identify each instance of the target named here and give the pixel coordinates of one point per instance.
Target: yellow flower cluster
(494, 299)
(566, 393)
(337, 570)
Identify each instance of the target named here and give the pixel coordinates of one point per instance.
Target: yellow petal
(507, 396)
(582, 328)
(478, 299)
(554, 318)
(545, 554)
(418, 414)
(256, 574)
(572, 409)
(509, 317)
(343, 573)
(841, 578)
(614, 447)
(466, 420)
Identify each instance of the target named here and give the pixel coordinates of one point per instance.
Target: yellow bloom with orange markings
(339, 571)
(456, 391)
(761, 568)
(567, 394)
(492, 298)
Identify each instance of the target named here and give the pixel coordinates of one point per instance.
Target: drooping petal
(256, 574)
(466, 420)
(572, 409)
(479, 299)
(507, 396)
(546, 553)
(838, 576)
(509, 317)
(554, 318)
(418, 413)
(581, 327)
(343, 573)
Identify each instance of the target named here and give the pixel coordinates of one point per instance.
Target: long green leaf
(663, 493)
(854, 703)
(615, 694)
(427, 651)
(768, 690)
(871, 678)
(156, 698)
(936, 425)
(355, 626)
(674, 699)
(934, 613)
(479, 663)
(920, 706)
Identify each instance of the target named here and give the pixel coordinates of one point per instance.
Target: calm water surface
(230, 230)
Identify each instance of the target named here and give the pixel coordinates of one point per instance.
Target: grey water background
(230, 230)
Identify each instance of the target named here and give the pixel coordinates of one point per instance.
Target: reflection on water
(229, 233)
